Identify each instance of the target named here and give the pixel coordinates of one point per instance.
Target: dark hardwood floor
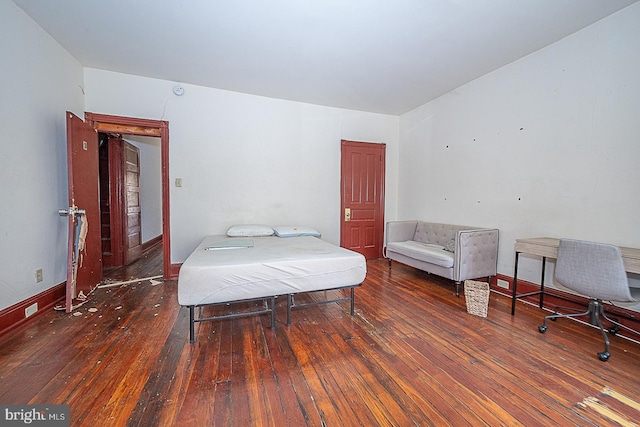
(411, 356)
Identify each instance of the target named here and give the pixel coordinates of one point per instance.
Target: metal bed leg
(192, 337)
(273, 312)
(352, 301)
(289, 302)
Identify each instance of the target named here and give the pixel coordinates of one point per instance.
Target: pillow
(294, 231)
(450, 245)
(249, 230)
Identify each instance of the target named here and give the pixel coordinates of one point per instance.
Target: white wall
(40, 81)
(546, 146)
(150, 185)
(245, 158)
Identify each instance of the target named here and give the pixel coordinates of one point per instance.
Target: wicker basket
(476, 295)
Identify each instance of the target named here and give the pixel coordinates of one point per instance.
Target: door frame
(146, 127)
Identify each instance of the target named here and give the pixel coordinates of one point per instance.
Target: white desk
(547, 247)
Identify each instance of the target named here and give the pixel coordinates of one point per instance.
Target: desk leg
(515, 285)
(544, 263)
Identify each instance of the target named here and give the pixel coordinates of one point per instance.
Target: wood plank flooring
(411, 356)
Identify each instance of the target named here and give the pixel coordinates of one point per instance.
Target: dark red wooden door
(133, 228)
(362, 207)
(84, 272)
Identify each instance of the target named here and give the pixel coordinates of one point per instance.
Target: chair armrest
(476, 254)
(400, 231)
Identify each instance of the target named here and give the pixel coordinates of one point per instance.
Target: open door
(120, 208)
(84, 257)
(132, 209)
(362, 197)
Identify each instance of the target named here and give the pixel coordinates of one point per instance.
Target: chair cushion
(431, 253)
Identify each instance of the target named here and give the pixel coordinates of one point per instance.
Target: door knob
(347, 214)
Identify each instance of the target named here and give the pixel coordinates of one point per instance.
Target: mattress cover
(223, 269)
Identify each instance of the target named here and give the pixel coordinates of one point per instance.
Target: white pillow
(249, 230)
(294, 231)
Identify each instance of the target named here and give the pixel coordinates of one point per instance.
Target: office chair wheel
(542, 329)
(604, 356)
(614, 330)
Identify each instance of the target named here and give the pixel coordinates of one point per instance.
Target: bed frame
(291, 304)
(269, 308)
(263, 270)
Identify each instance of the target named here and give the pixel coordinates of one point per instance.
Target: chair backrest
(592, 269)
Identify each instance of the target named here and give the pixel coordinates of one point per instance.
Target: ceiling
(384, 56)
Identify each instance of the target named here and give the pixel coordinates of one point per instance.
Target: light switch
(178, 182)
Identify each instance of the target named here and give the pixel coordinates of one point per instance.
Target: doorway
(147, 128)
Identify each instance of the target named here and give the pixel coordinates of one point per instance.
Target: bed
(225, 270)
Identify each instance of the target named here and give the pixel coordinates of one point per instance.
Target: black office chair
(595, 270)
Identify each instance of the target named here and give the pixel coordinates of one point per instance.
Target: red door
(84, 259)
(362, 206)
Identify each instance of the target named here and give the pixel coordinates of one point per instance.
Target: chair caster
(554, 319)
(542, 329)
(604, 356)
(614, 330)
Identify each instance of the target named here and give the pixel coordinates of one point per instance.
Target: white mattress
(271, 266)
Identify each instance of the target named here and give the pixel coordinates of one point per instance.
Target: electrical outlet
(38, 275)
(31, 310)
(503, 284)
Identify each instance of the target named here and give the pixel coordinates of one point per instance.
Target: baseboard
(175, 270)
(151, 243)
(12, 318)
